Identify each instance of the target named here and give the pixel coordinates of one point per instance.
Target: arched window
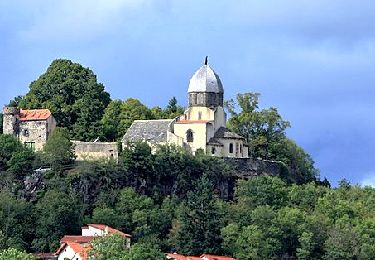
(199, 115)
(213, 150)
(189, 136)
(230, 148)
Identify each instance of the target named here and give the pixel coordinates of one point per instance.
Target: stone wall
(10, 120)
(33, 133)
(96, 151)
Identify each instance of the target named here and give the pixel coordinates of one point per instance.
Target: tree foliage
(264, 131)
(14, 254)
(72, 93)
(199, 227)
(59, 150)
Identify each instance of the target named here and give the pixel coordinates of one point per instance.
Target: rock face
(247, 167)
(33, 184)
(92, 181)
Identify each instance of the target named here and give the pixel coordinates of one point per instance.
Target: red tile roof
(83, 251)
(77, 239)
(216, 257)
(34, 114)
(109, 229)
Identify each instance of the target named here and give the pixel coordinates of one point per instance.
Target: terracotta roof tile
(216, 257)
(34, 114)
(83, 251)
(77, 239)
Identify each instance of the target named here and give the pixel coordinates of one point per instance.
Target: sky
(312, 60)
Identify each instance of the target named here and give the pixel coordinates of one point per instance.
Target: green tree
(132, 109)
(56, 214)
(15, 222)
(111, 121)
(14, 254)
(21, 163)
(119, 115)
(173, 109)
(8, 146)
(73, 95)
(263, 190)
(264, 131)
(1, 123)
(59, 150)
(199, 230)
(110, 247)
(141, 251)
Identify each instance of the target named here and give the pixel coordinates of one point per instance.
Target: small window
(230, 148)
(189, 136)
(25, 132)
(213, 150)
(199, 115)
(241, 148)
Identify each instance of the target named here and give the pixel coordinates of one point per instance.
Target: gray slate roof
(153, 131)
(205, 80)
(224, 132)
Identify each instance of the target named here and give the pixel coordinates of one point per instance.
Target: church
(201, 127)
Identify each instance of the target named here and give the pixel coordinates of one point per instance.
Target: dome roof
(205, 80)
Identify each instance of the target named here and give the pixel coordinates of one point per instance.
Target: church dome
(205, 80)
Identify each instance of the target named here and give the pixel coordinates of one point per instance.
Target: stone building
(201, 127)
(31, 127)
(91, 151)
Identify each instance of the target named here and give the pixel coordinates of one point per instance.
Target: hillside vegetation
(171, 200)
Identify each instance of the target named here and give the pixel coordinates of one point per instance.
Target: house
(175, 256)
(31, 127)
(78, 247)
(201, 127)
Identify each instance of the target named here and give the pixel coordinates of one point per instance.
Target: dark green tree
(1, 123)
(21, 163)
(59, 150)
(199, 222)
(73, 95)
(8, 146)
(57, 214)
(119, 116)
(16, 226)
(111, 121)
(173, 109)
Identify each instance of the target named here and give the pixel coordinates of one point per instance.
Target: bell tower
(205, 88)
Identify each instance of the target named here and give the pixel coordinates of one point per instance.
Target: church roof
(224, 132)
(205, 80)
(153, 131)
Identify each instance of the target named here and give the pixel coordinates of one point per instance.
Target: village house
(78, 247)
(201, 127)
(31, 127)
